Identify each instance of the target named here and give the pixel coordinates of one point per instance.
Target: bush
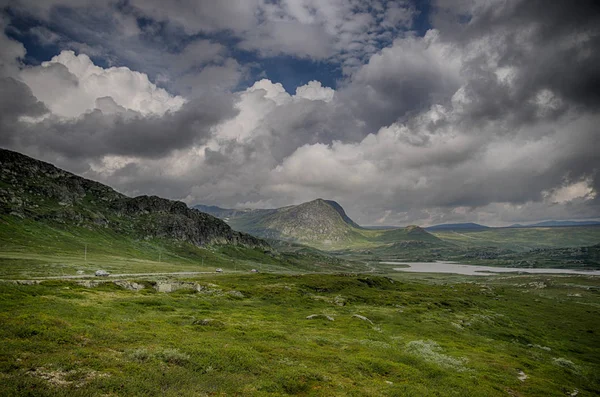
(431, 352)
(173, 356)
(140, 355)
(566, 364)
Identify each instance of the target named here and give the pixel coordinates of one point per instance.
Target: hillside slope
(317, 222)
(34, 190)
(457, 226)
(321, 224)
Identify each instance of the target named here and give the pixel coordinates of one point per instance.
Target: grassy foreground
(248, 335)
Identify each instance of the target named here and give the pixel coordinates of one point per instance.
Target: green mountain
(318, 222)
(564, 224)
(321, 224)
(37, 191)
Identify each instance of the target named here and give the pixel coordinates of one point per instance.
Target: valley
(308, 302)
(324, 225)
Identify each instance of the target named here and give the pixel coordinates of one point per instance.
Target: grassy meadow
(249, 335)
(374, 331)
(523, 239)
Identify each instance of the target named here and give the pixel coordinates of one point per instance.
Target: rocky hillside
(321, 223)
(32, 189)
(315, 221)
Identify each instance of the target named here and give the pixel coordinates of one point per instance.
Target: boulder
(319, 316)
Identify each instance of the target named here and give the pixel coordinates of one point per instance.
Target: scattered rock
(362, 318)
(318, 316)
(339, 301)
(522, 376)
(170, 286)
(236, 294)
(537, 285)
(546, 348)
(205, 321)
(209, 322)
(27, 282)
(89, 283)
(130, 285)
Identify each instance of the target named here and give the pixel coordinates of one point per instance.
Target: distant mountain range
(559, 224)
(319, 223)
(457, 226)
(476, 226)
(324, 224)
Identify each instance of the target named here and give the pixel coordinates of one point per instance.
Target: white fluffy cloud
(315, 91)
(70, 85)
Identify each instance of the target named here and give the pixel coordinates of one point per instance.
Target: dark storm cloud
(548, 45)
(96, 134)
(403, 80)
(16, 100)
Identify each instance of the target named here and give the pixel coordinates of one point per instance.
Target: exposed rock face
(32, 189)
(157, 217)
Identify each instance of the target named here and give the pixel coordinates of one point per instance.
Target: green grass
(30, 249)
(429, 337)
(524, 239)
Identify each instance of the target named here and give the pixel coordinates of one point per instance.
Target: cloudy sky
(403, 111)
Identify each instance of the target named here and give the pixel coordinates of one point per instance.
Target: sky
(405, 112)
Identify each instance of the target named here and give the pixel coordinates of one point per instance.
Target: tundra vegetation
(283, 317)
(248, 334)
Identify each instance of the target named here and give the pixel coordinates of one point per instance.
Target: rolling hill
(320, 224)
(457, 226)
(559, 224)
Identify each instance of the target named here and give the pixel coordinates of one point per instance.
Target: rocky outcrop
(157, 217)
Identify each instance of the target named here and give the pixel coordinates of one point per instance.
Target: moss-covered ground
(248, 335)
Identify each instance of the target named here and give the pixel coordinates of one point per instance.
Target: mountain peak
(414, 229)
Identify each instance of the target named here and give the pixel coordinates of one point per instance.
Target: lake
(471, 270)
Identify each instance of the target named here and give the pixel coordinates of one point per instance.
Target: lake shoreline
(447, 267)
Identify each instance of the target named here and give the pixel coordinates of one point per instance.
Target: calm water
(457, 268)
